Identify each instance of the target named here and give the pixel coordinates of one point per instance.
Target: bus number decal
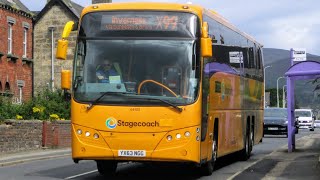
(167, 22)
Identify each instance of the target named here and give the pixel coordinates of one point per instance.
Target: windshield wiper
(166, 102)
(90, 106)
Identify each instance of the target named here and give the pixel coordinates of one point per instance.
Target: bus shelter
(300, 71)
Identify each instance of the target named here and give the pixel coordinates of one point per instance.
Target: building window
(10, 38)
(25, 40)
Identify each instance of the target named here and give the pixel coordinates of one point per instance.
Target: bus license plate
(272, 128)
(132, 153)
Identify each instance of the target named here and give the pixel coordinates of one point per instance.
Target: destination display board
(138, 23)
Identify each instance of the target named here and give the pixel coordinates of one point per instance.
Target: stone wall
(55, 17)
(25, 135)
(20, 136)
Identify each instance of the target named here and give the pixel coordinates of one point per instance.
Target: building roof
(74, 8)
(15, 4)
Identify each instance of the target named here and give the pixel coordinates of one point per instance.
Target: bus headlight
(87, 133)
(96, 136)
(79, 131)
(178, 136)
(187, 134)
(169, 137)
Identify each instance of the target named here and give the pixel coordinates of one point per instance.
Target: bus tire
(246, 152)
(107, 168)
(208, 167)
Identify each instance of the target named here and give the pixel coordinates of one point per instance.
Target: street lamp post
(264, 82)
(283, 97)
(278, 89)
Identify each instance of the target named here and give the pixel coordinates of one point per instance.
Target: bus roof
(144, 6)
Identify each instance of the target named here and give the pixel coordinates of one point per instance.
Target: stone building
(15, 50)
(48, 28)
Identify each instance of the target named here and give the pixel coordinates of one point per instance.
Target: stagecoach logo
(111, 123)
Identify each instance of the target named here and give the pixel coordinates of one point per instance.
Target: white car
(306, 118)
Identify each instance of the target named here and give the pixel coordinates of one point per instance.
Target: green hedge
(46, 105)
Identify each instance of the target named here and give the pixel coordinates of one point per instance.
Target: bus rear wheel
(246, 152)
(107, 168)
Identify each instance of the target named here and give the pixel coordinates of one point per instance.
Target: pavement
(35, 155)
(303, 163)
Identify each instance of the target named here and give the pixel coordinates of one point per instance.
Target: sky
(281, 24)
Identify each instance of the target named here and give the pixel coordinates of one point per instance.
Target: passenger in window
(106, 73)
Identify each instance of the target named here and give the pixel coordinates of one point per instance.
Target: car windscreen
(275, 113)
(303, 113)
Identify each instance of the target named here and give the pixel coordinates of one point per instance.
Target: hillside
(279, 59)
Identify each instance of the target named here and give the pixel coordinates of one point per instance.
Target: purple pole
(291, 118)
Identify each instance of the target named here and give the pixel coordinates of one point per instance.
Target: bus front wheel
(107, 168)
(208, 167)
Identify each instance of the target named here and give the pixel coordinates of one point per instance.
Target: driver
(105, 72)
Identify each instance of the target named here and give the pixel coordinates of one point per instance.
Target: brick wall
(19, 69)
(25, 135)
(57, 134)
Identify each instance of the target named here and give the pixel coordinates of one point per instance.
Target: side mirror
(66, 79)
(206, 42)
(63, 43)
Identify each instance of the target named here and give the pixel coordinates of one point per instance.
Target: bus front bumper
(181, 145)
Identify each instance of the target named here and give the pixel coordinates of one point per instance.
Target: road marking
(276, 172)
(71, 177)
(82, 174)
(236, 174)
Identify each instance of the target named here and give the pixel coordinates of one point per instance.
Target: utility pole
(278, 90)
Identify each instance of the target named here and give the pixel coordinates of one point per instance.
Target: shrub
(44, 104)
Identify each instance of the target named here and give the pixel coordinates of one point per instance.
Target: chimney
(101, 1)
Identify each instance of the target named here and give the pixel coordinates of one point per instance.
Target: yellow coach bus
(162, 82)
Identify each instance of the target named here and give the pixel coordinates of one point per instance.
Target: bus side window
(171, 77)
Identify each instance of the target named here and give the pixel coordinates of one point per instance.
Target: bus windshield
(143, 63)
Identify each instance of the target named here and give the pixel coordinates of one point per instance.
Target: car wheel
(312, 129)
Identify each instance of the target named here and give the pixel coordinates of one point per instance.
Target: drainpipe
(32, 55)
(51, 29)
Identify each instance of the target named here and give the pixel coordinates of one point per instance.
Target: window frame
(25, 42)
(10, 37)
